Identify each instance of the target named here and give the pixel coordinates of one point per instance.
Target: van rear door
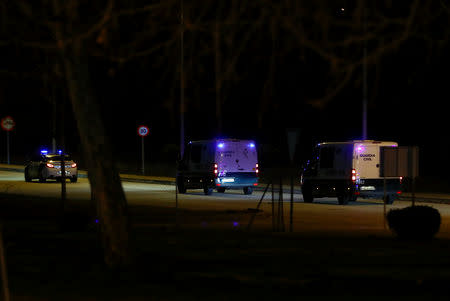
(236, 156)
(246, 156)
(367, 161)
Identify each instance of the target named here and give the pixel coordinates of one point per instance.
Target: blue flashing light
(44, 152)
(221, 145)
(59, 151)
(252, 145)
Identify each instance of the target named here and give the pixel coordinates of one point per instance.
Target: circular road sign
(143, 131)
(8, 123)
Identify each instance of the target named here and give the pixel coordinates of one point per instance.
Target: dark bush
(415, 222)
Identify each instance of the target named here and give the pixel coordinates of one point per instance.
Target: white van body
(349, 170)
(219, 163)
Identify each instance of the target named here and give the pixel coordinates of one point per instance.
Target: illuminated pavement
(323, 216)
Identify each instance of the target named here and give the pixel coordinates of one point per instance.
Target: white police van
(219, 164)
(348, 170)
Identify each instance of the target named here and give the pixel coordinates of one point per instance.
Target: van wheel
(207, 190)
(221, 189)
(307, 195)
(180, 185)
(343, 199)
(389, 199)
(74, 179)
(248, 190)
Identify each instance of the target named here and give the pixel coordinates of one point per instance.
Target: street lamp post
(364, 104)
(182, 80)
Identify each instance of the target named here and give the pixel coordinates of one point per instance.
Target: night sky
(281, 66)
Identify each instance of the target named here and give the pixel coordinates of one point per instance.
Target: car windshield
(58, 157)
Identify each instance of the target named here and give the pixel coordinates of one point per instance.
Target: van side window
(327, 157)
(196, 153)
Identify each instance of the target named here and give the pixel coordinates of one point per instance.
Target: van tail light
(73, 165)
(50, 165)
(401, 179)
(353, 175)
(215, 170)
(257, 168)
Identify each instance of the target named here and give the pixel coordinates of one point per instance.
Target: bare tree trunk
(218, 78)
(103, 175)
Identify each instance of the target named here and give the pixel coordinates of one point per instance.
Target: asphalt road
(364, 217)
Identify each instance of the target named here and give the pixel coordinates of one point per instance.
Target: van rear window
(327, 157)
(196, 153)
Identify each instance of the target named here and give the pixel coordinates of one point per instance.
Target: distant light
(221, 145)
(251, 145)
(96, 221)
(342, 9)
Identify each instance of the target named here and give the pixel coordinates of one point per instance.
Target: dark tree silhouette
(228, 45)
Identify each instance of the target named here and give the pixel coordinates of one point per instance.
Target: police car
(48, 166)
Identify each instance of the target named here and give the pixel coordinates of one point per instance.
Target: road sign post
(293, 135)
(7, 124)
(8, 161)
(143, 131)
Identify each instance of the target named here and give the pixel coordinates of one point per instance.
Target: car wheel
(42, 178)
(180, 185)
(221, 189)
(248, 190)
(27, 175)
(74, 179)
